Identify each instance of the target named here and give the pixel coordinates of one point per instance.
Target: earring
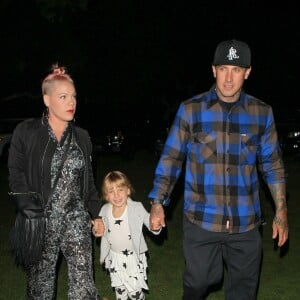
(45, 115)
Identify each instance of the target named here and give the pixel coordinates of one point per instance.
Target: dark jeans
(207, 252)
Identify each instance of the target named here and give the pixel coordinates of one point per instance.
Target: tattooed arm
(280, 221)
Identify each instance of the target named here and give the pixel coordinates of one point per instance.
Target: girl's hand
(98, 227)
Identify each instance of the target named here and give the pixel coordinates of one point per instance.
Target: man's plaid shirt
(222, 150)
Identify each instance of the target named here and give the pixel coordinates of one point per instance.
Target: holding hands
(98, 227)
(157, 217)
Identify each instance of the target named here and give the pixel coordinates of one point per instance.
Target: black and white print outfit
(68, 230)
(127, 271)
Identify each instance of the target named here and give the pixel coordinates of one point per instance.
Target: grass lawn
(280, 275)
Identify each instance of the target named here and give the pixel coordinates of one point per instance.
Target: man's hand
(280, 227)
(280, 221)
(98, 227)
(157, 217)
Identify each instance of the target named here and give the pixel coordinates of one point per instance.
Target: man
(223, 135)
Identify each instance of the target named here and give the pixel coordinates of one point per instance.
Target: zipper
(21, 193)
(85, 170)
(42, 175)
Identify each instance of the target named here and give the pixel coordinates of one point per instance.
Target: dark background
(142, 56)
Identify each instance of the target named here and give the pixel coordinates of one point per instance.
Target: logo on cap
(232, 54)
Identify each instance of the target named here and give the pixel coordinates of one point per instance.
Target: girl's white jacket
(137, 217)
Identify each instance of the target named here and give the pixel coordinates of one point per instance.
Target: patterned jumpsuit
(68, 232)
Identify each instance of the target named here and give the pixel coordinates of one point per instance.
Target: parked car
(289, 138)
(288, 128)
(114, 142)
(124, 143)
(7, 127)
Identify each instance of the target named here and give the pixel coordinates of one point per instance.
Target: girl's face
(61, 101)
(117, 194)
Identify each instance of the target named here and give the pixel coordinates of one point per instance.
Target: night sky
(144, 55)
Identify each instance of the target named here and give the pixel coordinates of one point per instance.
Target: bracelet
(155, 201)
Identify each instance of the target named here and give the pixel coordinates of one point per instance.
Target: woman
(50, 158)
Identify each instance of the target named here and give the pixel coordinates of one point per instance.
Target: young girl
(123, 246)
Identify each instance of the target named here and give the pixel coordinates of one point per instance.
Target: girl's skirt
(128, 270)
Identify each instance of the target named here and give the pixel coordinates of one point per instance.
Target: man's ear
(214, 71)
(247, 73)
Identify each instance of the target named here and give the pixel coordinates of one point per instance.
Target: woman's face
(61, 101)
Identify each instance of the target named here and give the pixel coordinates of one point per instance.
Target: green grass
(280, 275)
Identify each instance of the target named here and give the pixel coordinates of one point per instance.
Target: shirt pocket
(249, 144)
(204, 146)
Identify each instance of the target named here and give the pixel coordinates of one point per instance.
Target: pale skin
(61, 103)
(229, 82)
(117, 195)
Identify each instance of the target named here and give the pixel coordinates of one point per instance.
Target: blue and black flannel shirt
(222, 151)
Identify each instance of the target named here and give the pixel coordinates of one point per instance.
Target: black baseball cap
(233, 52)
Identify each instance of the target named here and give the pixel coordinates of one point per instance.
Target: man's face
(229, 81)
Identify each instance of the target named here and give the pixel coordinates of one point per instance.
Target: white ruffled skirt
(127, 270)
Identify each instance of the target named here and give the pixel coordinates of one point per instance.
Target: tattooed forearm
(278, 194)
(279, 221)
(157, 210)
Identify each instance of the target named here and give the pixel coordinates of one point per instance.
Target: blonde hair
(58, 73)
(118, 178)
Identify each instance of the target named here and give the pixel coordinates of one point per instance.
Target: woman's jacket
(29, 162)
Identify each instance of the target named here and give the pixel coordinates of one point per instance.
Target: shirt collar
(212, 99)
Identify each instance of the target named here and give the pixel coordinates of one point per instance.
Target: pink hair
(58, 73)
